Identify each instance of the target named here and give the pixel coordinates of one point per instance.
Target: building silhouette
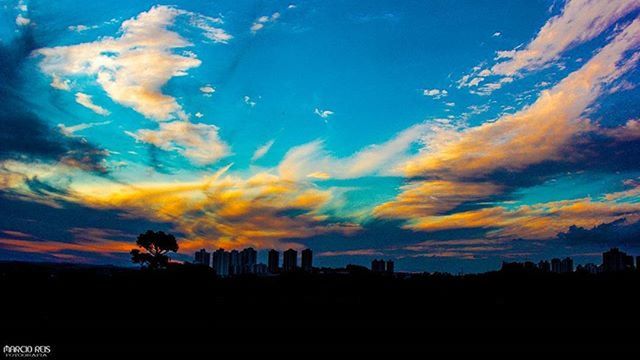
(562, 266)
(248, 259)
(221, 262)
(378, 266)
(260, 269)
(544, 266)
(290, 260)
(615, 260)
(307, 260)
(202, 257)
(390, 267)
(588, 268)
(273, 262)
(234, 262)
(566, 265)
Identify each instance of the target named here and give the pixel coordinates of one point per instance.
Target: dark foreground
(186, 309)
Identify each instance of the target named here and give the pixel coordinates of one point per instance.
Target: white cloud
(22, 6)
(198, 142)
(22, 20)
(86, 101)
(516, 141)
(81, 28)
(262, 150)
(311, 160)
(71, 130)
(207, 90)
(132, 68)
(247, 100)
(262, 20)
(323, 113)
(435, 93)
(497, 34)
(60, 84)
(199, 115)
(211, 32)
(580, 21)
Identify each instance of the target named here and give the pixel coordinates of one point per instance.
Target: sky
(444, 135)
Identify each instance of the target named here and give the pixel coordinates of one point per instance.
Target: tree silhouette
(156, 246)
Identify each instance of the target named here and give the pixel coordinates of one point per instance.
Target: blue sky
(442, 134)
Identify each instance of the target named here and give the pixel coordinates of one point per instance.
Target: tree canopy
(156, 246)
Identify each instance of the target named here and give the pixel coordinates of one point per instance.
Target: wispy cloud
(87, 101)
(323, 113)
(579, 22)
(262, 150)
(71, 130)
(263, 20)
(198, 142)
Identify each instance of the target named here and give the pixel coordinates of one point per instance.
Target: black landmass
(186, 308)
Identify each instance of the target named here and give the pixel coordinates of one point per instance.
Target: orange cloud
(538, 132)
(539, 221)
(227, 211)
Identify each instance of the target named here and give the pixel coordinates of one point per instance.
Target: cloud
(204, 23)
(539, 221)
(457, 167)
(207, 90)
(580, 21)
(71, 130)
(630, 131)
(132, 68)
(312, 160)
(22, 20)
(198, 142)
(618, 232)
(86, 101)
(433, 197)
(60, 84)
(263, 211)
(262, 150)
(262, 20)
(247, 100)
(25, 136)
(323, 113)
(435, 93)
(497, 34)
(518, 140)
(81, 28)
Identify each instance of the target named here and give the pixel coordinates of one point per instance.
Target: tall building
(544, 266)
(378, 266)
(615, 260)
(273, 261)
(260, 269)
(221, 262)
(290, 260)
(390, 267)
(556, 265)
(307, 260)
(234, 262)
(566, 265)
(202, 257)
(248, 258)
